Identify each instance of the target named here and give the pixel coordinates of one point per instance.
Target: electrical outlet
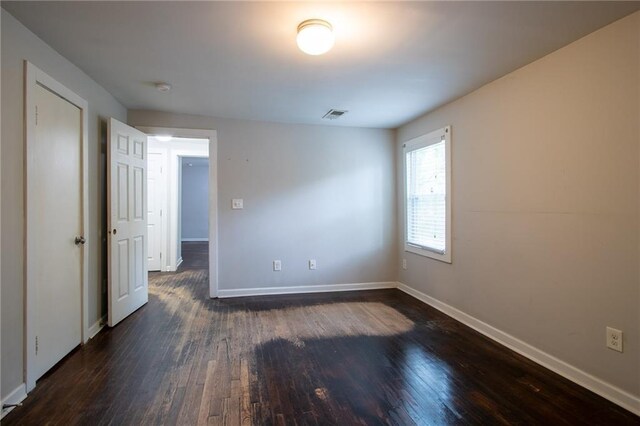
(614, 339)
(404, 264)
(277, 265)
(312, 264)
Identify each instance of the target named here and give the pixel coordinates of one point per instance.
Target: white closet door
(56, 212)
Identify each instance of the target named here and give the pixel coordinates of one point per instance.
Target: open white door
(127, 228)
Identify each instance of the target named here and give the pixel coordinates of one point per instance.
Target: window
(427, 168)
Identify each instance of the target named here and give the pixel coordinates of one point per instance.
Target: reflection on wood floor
(375, 357)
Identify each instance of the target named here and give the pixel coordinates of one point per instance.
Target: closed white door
(155, 214)
(56, 212)
(127, 208)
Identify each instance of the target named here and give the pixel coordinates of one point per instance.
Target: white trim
(193, 240)
(15, 397)
(243, 292)
(32, 77)
(97, 327)
(582, 378)
(212, 135)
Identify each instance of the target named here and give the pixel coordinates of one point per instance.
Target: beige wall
(310, 192)
(18, 43)
(546, 204)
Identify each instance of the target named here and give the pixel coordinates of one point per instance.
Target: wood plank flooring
(371, 358)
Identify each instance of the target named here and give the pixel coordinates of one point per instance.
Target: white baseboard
(15, 397)
(582, 378)
(242, 292)
(178, 263)
(188, 240)
(97, 326)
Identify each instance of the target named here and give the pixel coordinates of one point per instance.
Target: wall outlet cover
(614, 339)
(237, 203)
(277, 265)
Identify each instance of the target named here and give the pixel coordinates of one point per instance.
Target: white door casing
(127, 220)
(155, 216)
(56, 194)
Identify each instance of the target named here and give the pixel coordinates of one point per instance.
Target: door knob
(80, 240)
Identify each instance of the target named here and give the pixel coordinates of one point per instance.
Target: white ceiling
(392, 61)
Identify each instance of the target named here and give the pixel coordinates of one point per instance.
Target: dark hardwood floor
(375, 357)
(195, 255)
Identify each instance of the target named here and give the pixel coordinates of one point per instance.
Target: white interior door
(127, 207)
(56, 213)
(155, 217)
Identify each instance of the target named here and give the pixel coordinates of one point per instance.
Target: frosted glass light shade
(315, 37)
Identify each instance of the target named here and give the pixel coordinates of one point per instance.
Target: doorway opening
(194, 212)
(182, 201)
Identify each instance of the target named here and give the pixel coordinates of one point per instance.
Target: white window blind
(427, 202)
(426, 197)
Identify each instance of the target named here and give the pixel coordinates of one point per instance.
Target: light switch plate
(312, 264)
(237, 203)
(277, 265)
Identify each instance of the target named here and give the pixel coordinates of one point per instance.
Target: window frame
(436, 136)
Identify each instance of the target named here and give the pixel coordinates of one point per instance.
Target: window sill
(445, 257)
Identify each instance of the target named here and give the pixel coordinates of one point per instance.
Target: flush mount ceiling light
(315, 36)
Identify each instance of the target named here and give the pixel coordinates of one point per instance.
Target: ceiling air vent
(333, 114)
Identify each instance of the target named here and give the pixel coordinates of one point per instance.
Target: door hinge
(160, 212)
(36, 115)
(36, 345)
(160, 255)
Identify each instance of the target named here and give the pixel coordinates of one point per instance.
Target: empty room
(320, 213)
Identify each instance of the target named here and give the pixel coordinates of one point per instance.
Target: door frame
(212, 135)
(33, 77)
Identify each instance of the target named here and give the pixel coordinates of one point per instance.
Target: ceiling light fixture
(163, 87)
(315, 36)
